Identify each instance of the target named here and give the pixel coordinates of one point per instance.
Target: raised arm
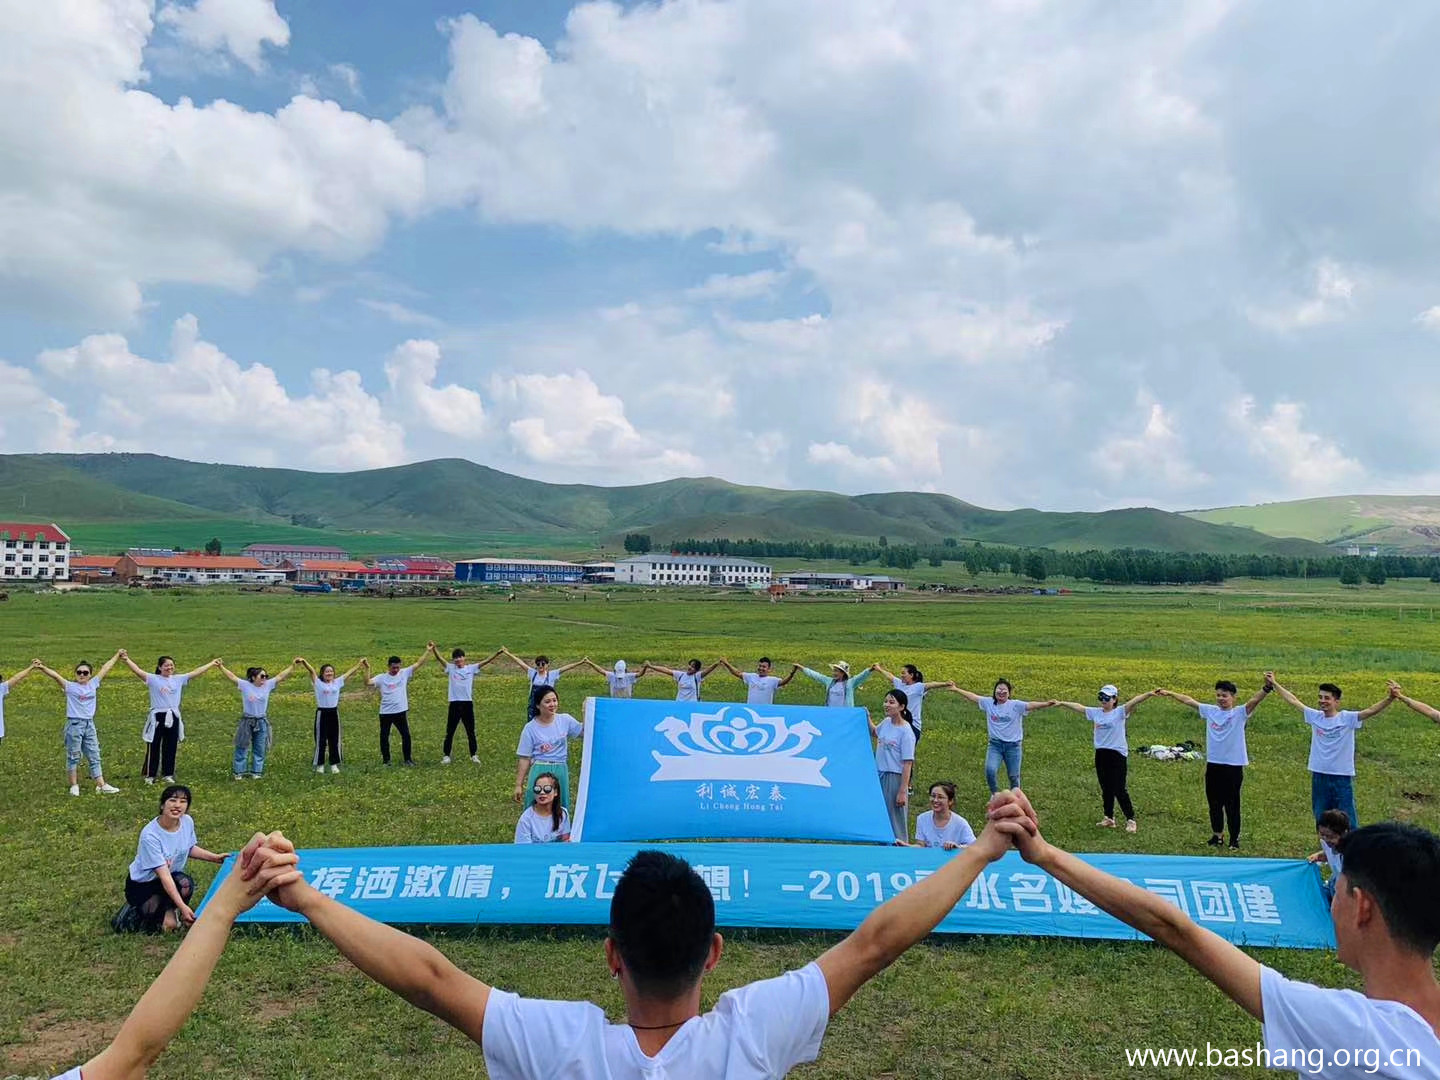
(811, 673)
(974, 699)
(515, 659)
(362, 664)
(595, 667)
(1183, 699)
(38, 665)
(285, 674)
(425, 655)
(856, 681)
(1129, 706)
(1256, 698)
(705, 672)
(888, 674)
(1289, 698)
(230, 675)
(1073, 706)
(794, 670)
(105, 667)
(302, 662)
(648, 666)
(490, 659)
(140, 673)
(1235, 973)
(202, 669)
(906, 919)
(1032, 706)
(1419, 706)
(1379, 706)
(731, 668)
(572, 666)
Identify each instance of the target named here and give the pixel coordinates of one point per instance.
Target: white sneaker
(74, 789)
(149, 779)
(169, 779)
(475, 758)
(334, 768)
(237, 776)
(319, 768)
(106, 789)
(445, 760)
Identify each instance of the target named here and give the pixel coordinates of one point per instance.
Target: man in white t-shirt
(688, 682)
(1386, 914)
(760, 684)
(393, 685)
(661, 942)
(1225, 753)
(460, 696)
(1332, 745)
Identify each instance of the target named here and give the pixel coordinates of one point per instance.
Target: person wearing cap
(839, 687)
(1111, 754)
(621, 681)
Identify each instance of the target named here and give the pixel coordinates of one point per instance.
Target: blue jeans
(253, 735)
(1331, 792)
(1008, 752)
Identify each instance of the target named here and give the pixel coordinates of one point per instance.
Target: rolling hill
(107, 501)
(1402, 523)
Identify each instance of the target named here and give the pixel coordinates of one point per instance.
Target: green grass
(1404, 522)
(282, 1003)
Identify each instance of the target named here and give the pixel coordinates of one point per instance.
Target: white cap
(841, 665)
(1110, 690)
(619, 667)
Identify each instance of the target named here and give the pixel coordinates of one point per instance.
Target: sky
(1053, 253)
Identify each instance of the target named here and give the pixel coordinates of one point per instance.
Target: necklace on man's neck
(654, 1027)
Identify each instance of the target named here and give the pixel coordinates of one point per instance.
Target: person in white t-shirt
(661, 943)
(460, 693)
(1386, 916)
(1112, 755)
(1332, 745)
(393, 684)
(21, 675)
(1225, 753)
(1332, 827)
(545, 745)
(687, 682)
(912, 682)
(164, 728)
(619, 679)
(546, 820)
(940, 826)
(157, 889)
(895, 760)
(1005, 728)
(253, 732)
(540, 676)
(81, 738)
(1419, 706)
(163, 1009)
(327, 686)
(760, 684)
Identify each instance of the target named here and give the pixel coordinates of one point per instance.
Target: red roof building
(30, 551)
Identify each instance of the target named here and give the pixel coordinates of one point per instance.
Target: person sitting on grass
(157, 888)
(545, 821)
(163, 1009)
(1332, 827)
(940, 826)
(1386, 915)
(661, 943)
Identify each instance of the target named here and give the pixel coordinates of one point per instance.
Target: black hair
(946, 786)
(662, 920)
(1331, 689)
(251, 672)
(161, 663)
(914, 672)
(394, 660)
(1226, 685)
(766, 660)
(538, 694)
(1399, 866)
(557, 808)
(456, 653)
(999, 683)
(1336, 820)
(694, 666)
(542, 660)
(85, 663)
(171, 790)
(903, 701)
(321, 672)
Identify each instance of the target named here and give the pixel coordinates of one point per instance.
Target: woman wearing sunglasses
(545, 821)
(81, 739)
(1112, 756)
(252, 735)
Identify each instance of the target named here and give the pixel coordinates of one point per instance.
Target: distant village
(42, 552)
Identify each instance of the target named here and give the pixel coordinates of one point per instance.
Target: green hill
(1402, 523)
(107, 501)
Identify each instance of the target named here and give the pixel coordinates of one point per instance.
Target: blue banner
(1270, 902)
(687, 770)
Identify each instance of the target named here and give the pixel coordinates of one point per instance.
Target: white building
(691, 570)
(31, 552)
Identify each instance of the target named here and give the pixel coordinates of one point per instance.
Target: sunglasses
(1103, 697)
(544, 789)
(262, 674)
(82, 671)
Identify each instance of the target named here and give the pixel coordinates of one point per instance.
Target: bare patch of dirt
(53, 1042)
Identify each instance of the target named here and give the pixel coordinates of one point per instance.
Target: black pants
(160, 751)
(1110, 769)
(327, 736)
(151, 901)
(401, 722)
(916, 729)
(461, 712)
(1222, 792)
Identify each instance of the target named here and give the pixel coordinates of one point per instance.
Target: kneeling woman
(158, 888)
(546, 821)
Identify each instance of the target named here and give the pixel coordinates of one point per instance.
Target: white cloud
(450, 410)
(1429, 318)
(239, 27)
(738, 286)
(399, 313)
(1331, 298)
(1151, 463)
(1303, 462)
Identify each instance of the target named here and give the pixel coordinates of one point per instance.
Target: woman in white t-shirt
(1112, 755)
(940, 826)
(895, 760)
(6, 684)
(157, 889)
(913, 683)
(1005, 726)
(540, 676)
(545, 746)
(327, 686)
(253, 733)
(687, 682)
(545, 821)
(164, 729)
(81, 739)
(620, 680)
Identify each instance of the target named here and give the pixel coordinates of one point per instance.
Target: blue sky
(1055, 254)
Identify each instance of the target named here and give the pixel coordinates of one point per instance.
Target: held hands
(1011, 821)
(268, 865)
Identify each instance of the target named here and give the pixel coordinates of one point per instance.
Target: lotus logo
(742, 746)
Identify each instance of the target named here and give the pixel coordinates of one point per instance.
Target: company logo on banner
(680, 770)
(1272, 902)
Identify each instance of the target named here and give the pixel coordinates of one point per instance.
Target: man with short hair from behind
(661, 942)
(1386, 914)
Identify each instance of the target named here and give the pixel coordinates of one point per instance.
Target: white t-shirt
(327, 694)
(1332, 741)
(1004, 720)
(158, 847)
(621, 685)
(4, 689)
(1109, 728)
(755, 1032)
(1308, 1021)
(79, 699)
(255, 700)
(956, 831)
(549, 678)
(1333, 858)
(73, 1074)
(462, 681)
(535, 827)
(394, 698)
(687, 686)
(894, 745)
(914, 698)
(548, 742)
(1225, 735)
(760, 689)
(165, 693)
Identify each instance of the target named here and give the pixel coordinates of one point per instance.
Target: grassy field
(283, 1004)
